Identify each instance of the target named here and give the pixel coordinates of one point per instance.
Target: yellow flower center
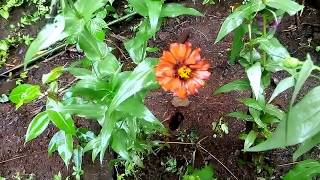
(184, 72)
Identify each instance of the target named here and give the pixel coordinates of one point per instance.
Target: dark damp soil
(196, 124)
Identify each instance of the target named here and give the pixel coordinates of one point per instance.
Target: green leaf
(61, 122)
(303, 122)
(139, 7)
(86, 7)
(51, 34)
(142, 75)
(240, 115)
(303, 75)
(254, 75)
(306, 146)
(24, 93)
(256, 117)
(304, 170)
(238, 16)
(251, 137)
(65, 150)
(252, 103)
(288, 6)
(4, 13)
(37, 126)
(240, 85)
(175, 9)
(273, 48)
(91, 111)
(119, 143)
(154, 11)
(135, 107)
(64, 144)
(275, 111)
(53, 75)
(237, 43)
(282, 86)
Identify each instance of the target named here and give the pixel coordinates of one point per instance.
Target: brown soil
(198, 116)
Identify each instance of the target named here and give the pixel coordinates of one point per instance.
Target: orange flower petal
(202, 65)
(191, 87)
(179, 51)
(172, 85)
(168, 57)
(201, 74)
(194, 57)
(181, 92)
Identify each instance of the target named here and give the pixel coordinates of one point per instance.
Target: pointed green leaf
(51, 34)
(237, 85)
(282, 86)
(254, 75)
(53, 75)
(37, 126)
(288, 6)
(304, 170)
(24, 93)
(175, 9)
(238, 16)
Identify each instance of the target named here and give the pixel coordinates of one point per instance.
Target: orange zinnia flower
(181, 70)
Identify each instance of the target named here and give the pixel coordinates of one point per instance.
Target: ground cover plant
(119, 97)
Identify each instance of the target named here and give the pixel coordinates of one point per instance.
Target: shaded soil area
(204, 108)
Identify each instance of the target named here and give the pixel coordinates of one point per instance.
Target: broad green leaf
(66, 148)
(37, 126)
(24, 93)
(86, 7)
(302, 123)
(304, 170)
(135, 107)
(282, 86)
(61, 122)
(239, 85)
(275, 111)
(256, 117)
(237, 43)
(273, 48)
(53, 75)
(137, 45)
(94, 111)
(139, 6)
(175, 9)
(63, 143)
(251, 137)
(306, 146)
(154, 11)
(205, 173)
(288, 6)
(56, 140)
(77, 160)
(303, 75)
(107, 66)
(80, 73)
(119, 143)
(254, 75)
(252, 103)
(142, 75)
(240, 115)
(105, 135)
(235, 19)
(51, 34)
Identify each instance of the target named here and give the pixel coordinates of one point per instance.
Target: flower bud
(291, 63)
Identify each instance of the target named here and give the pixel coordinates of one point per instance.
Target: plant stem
(264, 33)
(121, 18)
(250, 38)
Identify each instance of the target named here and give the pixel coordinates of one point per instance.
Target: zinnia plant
(181, 70)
